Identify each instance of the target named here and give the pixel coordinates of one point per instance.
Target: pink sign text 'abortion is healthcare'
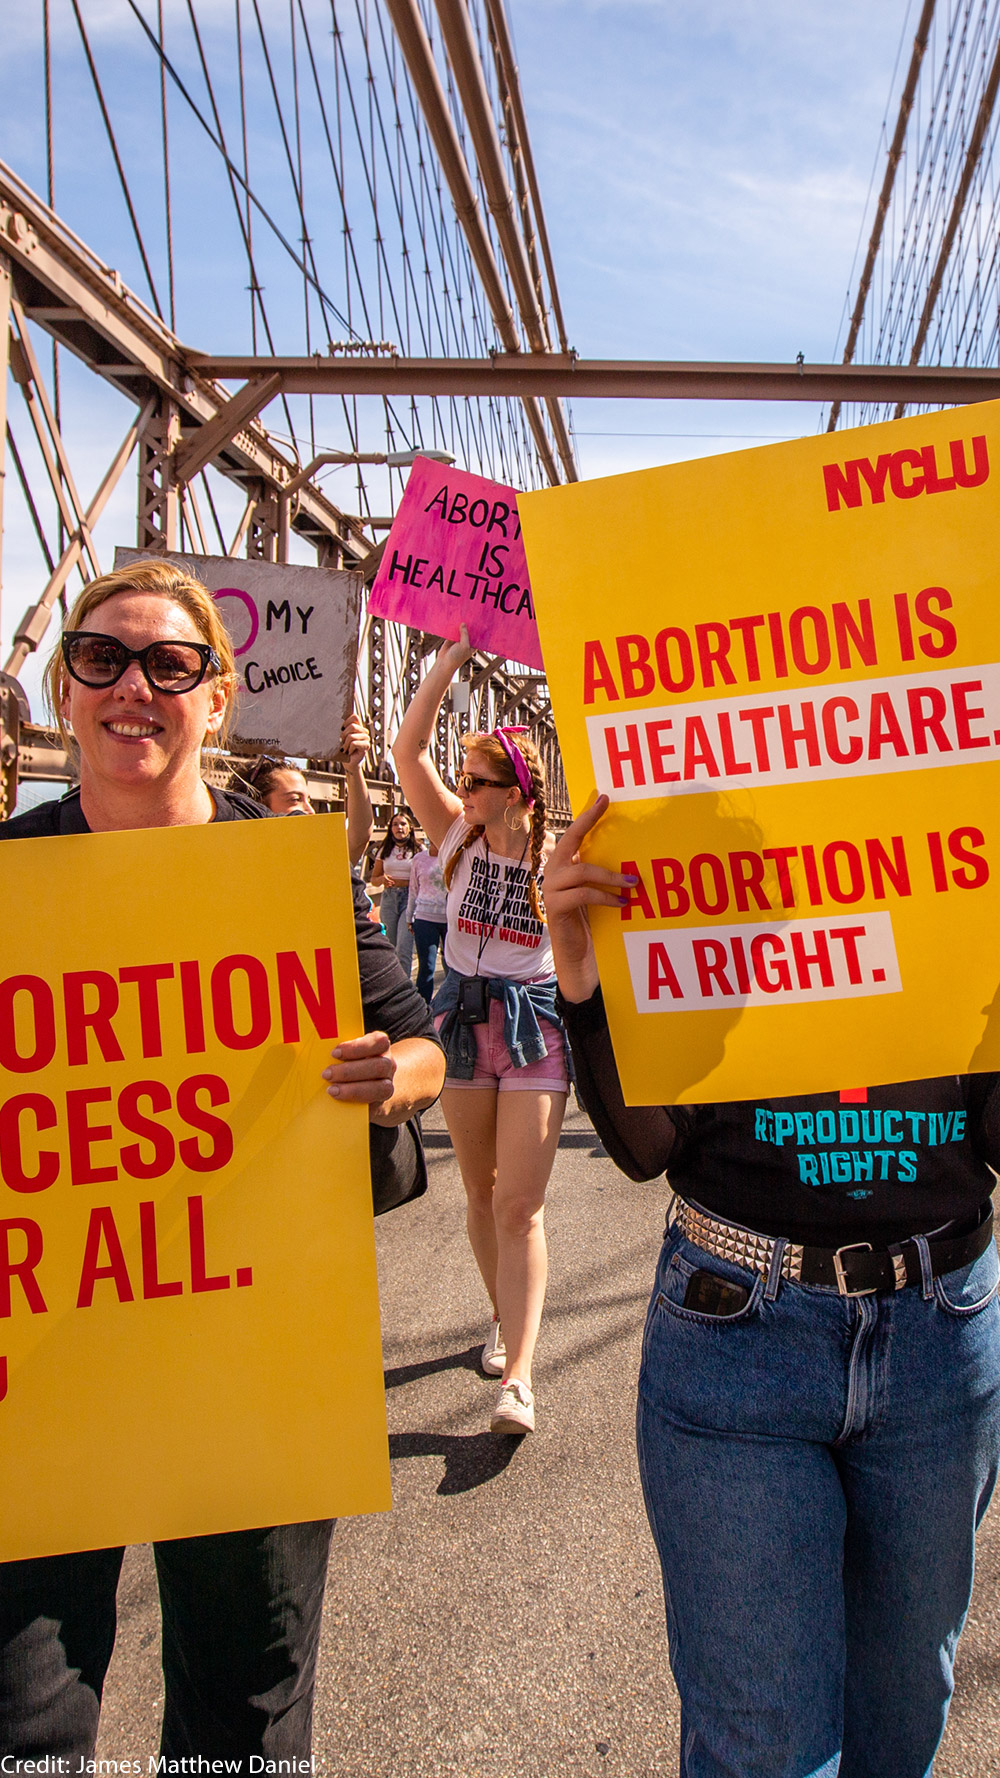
(454, 555)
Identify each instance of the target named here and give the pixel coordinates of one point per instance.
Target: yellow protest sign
(785, 676)
(189, 1335)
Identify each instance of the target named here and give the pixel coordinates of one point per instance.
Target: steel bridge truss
(192, 411)
(183, 423)
(468, 156)
(186, 420)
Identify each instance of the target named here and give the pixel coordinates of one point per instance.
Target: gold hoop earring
(508, 810)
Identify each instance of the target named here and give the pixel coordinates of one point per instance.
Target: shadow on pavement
(468, 1462)
(428, 1367)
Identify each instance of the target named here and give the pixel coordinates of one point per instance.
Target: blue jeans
(392, 911)
(429, 934)
(241, 1623)
(814, 1469)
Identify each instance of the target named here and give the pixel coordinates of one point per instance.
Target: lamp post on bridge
(341, 459)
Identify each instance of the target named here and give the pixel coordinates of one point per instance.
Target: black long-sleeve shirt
(819, 1169)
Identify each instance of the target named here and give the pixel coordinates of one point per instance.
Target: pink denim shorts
(494, 1068)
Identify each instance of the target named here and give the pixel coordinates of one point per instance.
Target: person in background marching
(391, 873)
(506, 1086)
(283, 789)
(427, 916)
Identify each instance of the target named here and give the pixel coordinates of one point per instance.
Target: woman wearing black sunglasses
(144, 676)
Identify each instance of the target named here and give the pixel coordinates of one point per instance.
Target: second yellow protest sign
(189, 1335)
(790, 690)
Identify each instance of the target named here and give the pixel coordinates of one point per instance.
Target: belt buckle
(840, 1275)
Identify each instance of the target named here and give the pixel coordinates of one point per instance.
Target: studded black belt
(854, 1270)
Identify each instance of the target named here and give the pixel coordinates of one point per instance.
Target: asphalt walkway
(505, 1620)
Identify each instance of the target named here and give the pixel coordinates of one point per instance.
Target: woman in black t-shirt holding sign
(819, 1396)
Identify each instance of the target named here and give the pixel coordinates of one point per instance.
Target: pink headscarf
(517, 760)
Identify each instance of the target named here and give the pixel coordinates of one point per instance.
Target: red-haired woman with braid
(506, 1086)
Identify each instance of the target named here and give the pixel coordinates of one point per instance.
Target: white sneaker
(515, 1409)
(494, 1356)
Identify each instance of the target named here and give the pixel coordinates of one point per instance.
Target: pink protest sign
(454, 555)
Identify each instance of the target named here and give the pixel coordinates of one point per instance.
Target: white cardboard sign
(295, 635)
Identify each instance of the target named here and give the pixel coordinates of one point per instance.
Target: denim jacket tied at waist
(524, 1003)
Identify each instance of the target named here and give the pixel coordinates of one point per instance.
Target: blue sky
(704, 170)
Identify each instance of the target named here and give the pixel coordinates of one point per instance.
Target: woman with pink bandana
(506, 1085)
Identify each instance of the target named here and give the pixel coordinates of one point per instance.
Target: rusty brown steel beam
(195, 453)
(35, 621)
(512, 142)
(463, 55)
(889, 180)
(26, 373)
(558, 373)
(67, 290)
(10, 723)
(5, 297)
(415, 44)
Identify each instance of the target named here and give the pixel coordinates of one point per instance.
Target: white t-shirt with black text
(491, 928)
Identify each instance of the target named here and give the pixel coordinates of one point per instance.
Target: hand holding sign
(455, 654)
(572, 885)
(355, 742)
(362, 1071)
(394, 1080)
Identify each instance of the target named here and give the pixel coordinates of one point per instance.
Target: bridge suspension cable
(929, 290)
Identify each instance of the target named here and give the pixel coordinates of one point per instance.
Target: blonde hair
(493, 751)
(166, 581)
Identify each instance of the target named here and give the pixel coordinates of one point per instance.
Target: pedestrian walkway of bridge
(506, 1620)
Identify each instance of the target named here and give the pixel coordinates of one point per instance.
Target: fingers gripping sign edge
(570, 873)
(362, 1069)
